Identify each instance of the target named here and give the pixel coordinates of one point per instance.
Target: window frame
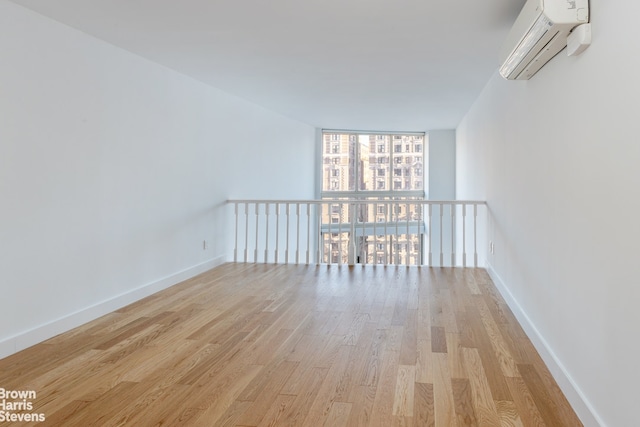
(351, 224)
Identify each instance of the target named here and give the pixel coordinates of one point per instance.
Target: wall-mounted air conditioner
(539, 33)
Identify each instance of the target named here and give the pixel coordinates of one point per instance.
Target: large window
(378, 167)
(355, 163)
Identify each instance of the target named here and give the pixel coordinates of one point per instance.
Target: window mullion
(391, 159)
(356, 165)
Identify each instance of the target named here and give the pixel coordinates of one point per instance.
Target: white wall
(558, 161)
(113, 170)
(441, 185)
(442, 164)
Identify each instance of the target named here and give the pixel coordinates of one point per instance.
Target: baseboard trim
(41, 333)
(576, 398)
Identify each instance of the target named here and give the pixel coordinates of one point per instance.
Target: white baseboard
(576, 398)
(41, 333)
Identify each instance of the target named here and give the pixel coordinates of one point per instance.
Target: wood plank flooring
(265, 345)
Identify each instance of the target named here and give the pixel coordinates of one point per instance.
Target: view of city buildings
(381, 168)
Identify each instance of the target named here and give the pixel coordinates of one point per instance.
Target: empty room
(337, 213)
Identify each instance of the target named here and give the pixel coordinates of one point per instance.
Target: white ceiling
(342, 64)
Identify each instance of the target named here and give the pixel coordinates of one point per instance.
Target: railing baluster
(320, 236)
(441, 247)
(430, 235)
(475, 240)
(396, 254)
(464, 235)
(275, 254)
(375, 233)
(453, 222)
(266, 243)
(419, 235)
(386, 235)
(363, 209)
(255, 250)
(308, 231)
(235, 248)
(406, 258)
(352, 251)
(297, 233)
(246, 232)
(286, 252)
(329, 235)
(340, 234)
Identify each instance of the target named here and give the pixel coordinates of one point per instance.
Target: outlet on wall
(205, 245)
(491, 247)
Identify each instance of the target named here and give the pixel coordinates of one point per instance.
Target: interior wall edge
(580, 404)
(48, 330)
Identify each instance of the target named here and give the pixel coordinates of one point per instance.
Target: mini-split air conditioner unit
(539, 33)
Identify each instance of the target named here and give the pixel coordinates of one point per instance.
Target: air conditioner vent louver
(539, 33)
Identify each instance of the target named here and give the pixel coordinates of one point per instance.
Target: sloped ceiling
(342, 64)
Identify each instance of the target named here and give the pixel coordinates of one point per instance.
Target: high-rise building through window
(379, 167)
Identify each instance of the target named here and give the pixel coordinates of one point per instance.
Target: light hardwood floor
(265, 345)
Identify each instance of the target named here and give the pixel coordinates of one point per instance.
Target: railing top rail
(357, 201)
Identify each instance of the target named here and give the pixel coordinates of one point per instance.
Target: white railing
(357, 231)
